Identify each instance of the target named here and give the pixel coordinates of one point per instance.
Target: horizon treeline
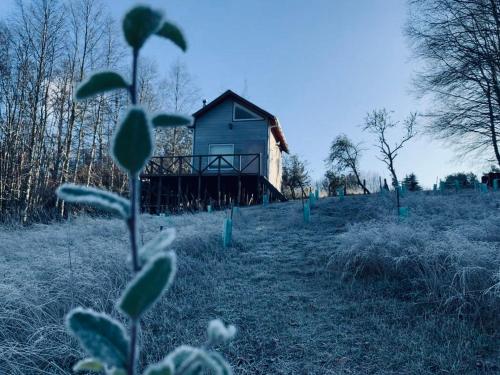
(46, 137)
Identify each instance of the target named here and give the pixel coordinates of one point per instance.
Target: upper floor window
(240, 113)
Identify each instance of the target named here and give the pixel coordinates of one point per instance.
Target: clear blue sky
(318, 65)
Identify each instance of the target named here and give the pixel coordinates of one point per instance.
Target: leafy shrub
(110, 346)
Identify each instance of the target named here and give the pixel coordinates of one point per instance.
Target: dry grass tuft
(447, 253)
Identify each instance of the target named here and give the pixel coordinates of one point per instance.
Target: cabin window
(221, 149)
(240, 113)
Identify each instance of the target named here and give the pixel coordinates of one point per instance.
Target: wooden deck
(192, 182)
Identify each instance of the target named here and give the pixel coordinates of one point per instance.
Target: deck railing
(235, 164)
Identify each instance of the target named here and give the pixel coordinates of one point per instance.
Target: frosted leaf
(89, 364)
(162, 120)
(99, 83)
(139, 24)
(94, 197)
(225, 368)
(219, 333)
(190, 360)
(133, 142)
(158, 244)
(148, 285)
(165, 367)
(172, 32)
(101, 336)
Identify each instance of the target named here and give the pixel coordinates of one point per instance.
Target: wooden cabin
(236, 160)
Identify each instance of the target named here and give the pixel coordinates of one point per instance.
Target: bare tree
(458, 43)
(179, 94)
(295, 176)
(379, 123)
(45, 137)
(344, 156)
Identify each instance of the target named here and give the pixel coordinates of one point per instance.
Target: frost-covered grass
(446, 254)
(279, 285)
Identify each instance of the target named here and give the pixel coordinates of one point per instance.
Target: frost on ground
(356, 291)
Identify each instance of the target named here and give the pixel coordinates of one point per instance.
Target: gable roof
(273, 120)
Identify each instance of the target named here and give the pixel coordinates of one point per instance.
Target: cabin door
(224, 150)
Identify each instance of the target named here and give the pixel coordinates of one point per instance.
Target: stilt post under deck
(257, 194)
(199, 182)
(158, 196)
(218, 182)
(179, 186)
(239, 184)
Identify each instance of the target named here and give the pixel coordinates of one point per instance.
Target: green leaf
(171, 119)
(89, 364)
(99, 83)
(171, 32)
(139, 24)
(165, 367)
(94, 197)
(156, 245)
(148, 285)
(101, 336)
(133, 143)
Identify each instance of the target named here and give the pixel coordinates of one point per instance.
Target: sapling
(112, 348)
(307, 211)
(265, 199)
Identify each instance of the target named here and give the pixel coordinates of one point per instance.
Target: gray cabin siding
(247, 136)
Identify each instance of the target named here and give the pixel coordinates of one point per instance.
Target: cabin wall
(247, 136)
(274, 162)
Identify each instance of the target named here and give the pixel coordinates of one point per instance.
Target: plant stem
(132, 223)
(133, 339)
(133, 87)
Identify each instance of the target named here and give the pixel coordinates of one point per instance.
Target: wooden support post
(239, 189)
(257, 193)
(199, 182)
(150, 195)
(218, 182)
(239, 183)
(158, 197)
(179, 186)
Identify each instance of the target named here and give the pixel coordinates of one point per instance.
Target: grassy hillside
(356, 291)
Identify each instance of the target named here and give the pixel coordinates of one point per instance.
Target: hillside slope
(294, 313)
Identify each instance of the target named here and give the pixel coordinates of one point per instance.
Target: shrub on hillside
(446, 253)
